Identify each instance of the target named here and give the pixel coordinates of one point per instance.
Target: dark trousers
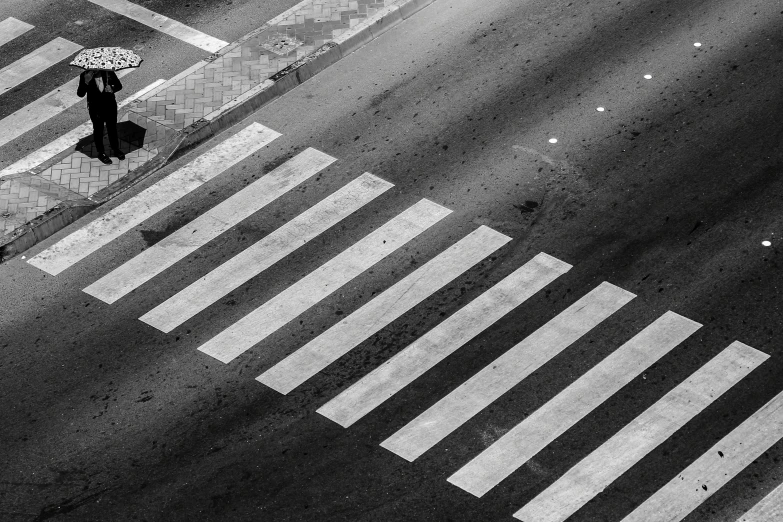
(100, 114)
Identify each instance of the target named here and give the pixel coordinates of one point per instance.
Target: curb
(66, 212)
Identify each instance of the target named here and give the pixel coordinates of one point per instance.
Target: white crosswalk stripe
(443, 340)
(382, 310)
(617, 455)
(716, 467)
(322, 282)
(163, 24)
(266, 252)
(588, 392)
(36, 62)
(11, 28)
(64, 142)
(150, 201)
(209, 225)
(769, 509)
(506, 371)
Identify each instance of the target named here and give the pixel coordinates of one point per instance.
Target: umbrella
(106, 59)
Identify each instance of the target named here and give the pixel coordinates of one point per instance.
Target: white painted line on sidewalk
(382, 310)
(406, 366)
(36, 62)
(11, 28)
(11, 125)
(642, 435)
(46, 107)
(124, 217)
(219, 219)
(163, 24)
(323, 281)
(505, 372)
(588, 392)
(715, 468)
(266, 252)
(769, 509)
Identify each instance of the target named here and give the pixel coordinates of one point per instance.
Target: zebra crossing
(485, 471)
(527, 438)
(594, 473)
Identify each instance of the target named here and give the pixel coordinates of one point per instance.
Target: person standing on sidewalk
(100, 86)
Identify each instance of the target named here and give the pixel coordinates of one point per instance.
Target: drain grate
(282, 45)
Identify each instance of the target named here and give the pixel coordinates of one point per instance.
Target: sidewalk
(189, 108)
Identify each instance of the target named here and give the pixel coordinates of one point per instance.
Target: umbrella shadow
(131, 138)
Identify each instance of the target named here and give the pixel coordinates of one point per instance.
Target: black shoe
(104, 158)
(119, 154)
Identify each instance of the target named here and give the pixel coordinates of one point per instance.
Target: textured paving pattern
(149, 124)
(87, 175)
(274, 48)
(26, 197)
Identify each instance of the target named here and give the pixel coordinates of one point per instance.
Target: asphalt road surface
(667, 200)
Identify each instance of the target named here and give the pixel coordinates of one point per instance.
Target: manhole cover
(282, 45)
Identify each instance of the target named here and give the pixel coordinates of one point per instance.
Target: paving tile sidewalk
(194, 105)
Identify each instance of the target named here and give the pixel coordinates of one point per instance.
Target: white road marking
(46, 107)
(266, 252)
(36, 62)
(769, 509)
(228, 213)
(656, 424)
(67, 140)
(715, 468)
(163, 24)
(588, 392)
(323, 281)
(385, 308)
(505, 372)
(443, 340)
(11, 28)
(81, 243)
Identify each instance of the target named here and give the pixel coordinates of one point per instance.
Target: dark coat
(95, 97)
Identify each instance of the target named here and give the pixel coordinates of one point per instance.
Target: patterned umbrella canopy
(107, 59)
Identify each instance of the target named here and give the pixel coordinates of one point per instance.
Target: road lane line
(715, 468)
(36, 62)
(124, 217)
(323, 281)
(382, 310)
(46, 107)
(11, 28)
(588, 392)
(266, 252)
(768, 509)
(163, 24)
(642, 435)
(67, 140)
(505, 372)
(443, 340)
(219, 219)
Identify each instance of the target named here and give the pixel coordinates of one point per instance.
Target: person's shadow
(131, 137)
